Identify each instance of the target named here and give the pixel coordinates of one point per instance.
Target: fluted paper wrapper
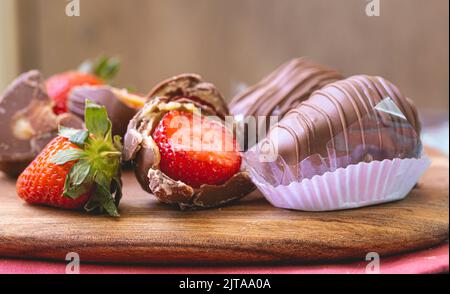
(355, 186)
(343, 180)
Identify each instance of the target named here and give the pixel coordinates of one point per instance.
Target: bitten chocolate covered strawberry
(60, 85)
(77, 169)
(183, 151)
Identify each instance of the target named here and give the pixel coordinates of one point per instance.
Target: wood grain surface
(251, 231)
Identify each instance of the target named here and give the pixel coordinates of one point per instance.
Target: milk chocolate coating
(330, 111)
(191, 88)
(27, 122)
(283, 89)
(139, 146)
(118, 112)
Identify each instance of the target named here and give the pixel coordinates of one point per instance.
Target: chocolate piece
(27, 122)
(191, 88)
(140, 147)
(329, 113)
(283, 89)
(13, 168)
(120, 105)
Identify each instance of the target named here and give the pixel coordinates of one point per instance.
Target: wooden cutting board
(251, 231)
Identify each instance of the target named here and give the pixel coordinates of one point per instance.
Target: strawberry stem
(110, 153)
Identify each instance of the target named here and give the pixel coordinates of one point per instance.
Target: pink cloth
(434, 260)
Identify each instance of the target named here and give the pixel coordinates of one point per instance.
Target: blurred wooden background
(239, 41)
(9, 61)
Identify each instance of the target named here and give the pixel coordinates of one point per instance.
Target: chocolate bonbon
(353, 143)
(27, 122)
(326, 116)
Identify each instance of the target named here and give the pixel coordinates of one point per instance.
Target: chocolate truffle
(324, 120)
(119, 103)
(27, 122)
(283, 89)
(189, 93)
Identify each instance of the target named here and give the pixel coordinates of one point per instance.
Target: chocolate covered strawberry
(77, 169)
(196, 155)
(60, 85)
(182, 151)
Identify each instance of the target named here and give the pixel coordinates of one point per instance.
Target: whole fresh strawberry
(196, 155)
(60, 85)
(77, 169)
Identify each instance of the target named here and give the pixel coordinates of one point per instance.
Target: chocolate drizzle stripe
(370, 82)
(367, 99)
(342, 119)
(304, 88)
(382, 92)
(280, 95)
(355, 107)
(304, 124)
(283, 89)
(384, 89)
(310, 128)
(291, 131)
(327, 118)
(291, 76)
(301, 92)
(336, 107)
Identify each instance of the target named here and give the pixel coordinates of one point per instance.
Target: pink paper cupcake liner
(354, 186)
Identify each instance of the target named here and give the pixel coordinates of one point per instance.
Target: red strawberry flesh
(196, 153)
(43, 182)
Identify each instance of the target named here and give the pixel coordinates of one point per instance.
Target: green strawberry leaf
(104, 67)
(75, 191)
(96, 119)
(99, 65)
(102, 179)
(107, 194)
(108, 69)
(72, 190)
(106, 200)
(117, 189)
(80, 173)
(67, 155)
(102, 200)
(92, 204)
(77, 137)
(118, 142)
